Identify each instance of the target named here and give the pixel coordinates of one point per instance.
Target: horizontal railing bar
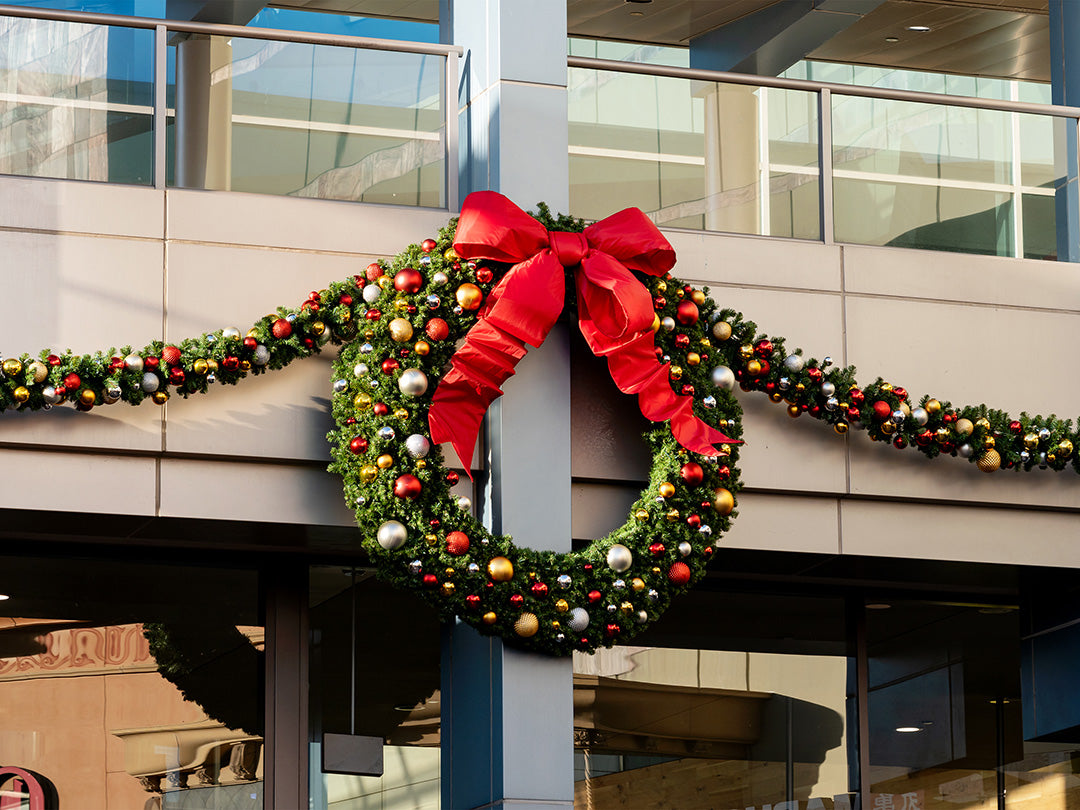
(591, 63)
(239, 31)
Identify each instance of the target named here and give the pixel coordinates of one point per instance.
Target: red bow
(615, 313)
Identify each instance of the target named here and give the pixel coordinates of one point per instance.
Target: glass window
(126, 684)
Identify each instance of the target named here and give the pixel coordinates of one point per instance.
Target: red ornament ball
(250, 343)
(437, 329)
(373, 314)
(281, 329)
(517, 599)
(176, 376)
(231, 363)
(693, 521)
(612, 630)
(682, 340)
(52, 360)
(656, 549)
(151, 362)
(428, 245)
(472, 600)
(484, 275)
(72, 381)
(1015, 427)
(170, 355)
(679, 573)
(900, 392)
(763, 348)
(358, 445)
(345, 300)
(407, 486)
(687, 390)
(389, 365)
(457, 543)
(686, 313)
(452, 478)
(815, 374)
(539, 590)
(380, 409)
(408, 280)
(595, 596)
(373, 271)
(430, 580)
(857, 396)
(882, 410)
(692, 473)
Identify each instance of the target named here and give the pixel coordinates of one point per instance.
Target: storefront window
(129, 685)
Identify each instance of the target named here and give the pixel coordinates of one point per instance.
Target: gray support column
(1065, 83)
(204, 113)
(507, 717)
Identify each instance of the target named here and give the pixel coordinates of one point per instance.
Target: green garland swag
(399, 323)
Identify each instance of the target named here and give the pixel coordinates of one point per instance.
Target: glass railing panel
(76, 101)
(941, 177)
(311, 121)
(694, 154)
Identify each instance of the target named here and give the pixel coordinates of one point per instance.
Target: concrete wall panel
(78, 482)
(76, 207)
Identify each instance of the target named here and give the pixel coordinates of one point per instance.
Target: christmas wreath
(429, 336)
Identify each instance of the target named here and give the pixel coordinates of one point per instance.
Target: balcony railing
(196, 105)
(747, 154)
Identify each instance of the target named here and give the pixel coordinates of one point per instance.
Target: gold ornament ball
(38, 371)
(638, 584)
(421, 464)
(401, 304)
(526, 625)
(212, 365)
(989, 461)
(431, 539)
(754, 368)
(676, 373)
(888, 428)
(1031, 441)
(400, 330)
(841, 428)
(450, 255)
(500, 569)
(385, 461)
(160, 397)
(672, 515)
(22, 393)
(245, 365)
(448, 588)
(746, 351)
(906, 409)
(469, 296)
(385, 282)
(793, 411)
(401, 413)
(661, 286)
(698, 297)
(362, 402)
(368, 473)
(489, 617)
(317, 328)
(941, 435)
(776, 396)
(964, 427)
(667, 489)
(1065, 448)
(422, 348)
(200, 367)
(626, 607)
(693, 358)
(932, 406)
(87, 397)
(12, 367)
(655, 571)
(721, 330)
(989, 442)
(886, 387)
(723, 501)
(982, 423)
(655, 323)
(561, 605)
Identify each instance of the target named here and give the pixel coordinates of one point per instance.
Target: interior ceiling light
(922, 29)
(637, 13)
(908, 729)
(892, 39)
(878, 606)
(3, 597)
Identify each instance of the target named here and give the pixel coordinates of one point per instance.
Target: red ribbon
(615, 313)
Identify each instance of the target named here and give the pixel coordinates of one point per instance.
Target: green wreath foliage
(398, 324)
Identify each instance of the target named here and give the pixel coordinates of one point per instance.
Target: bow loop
(614, 310)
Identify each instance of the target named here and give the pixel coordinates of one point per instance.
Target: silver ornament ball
(133, 363)
(413, 382)
(668, 324)
(965, 451)
(723, 377)
(417, 445)
(386, 433)
(794, 363)
(371, 293)
(709, 402)
(563, 581)
(619, 558)
(262, 355)
(920, 416)
(827, 389)
(150, 382)
(685, 549)
(579, 619)
(392, 535)
(341, 386)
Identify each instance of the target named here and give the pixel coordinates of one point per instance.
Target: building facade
(190, 621)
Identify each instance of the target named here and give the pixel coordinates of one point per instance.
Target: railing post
(825, 165)
(161, 55)
(451, 116)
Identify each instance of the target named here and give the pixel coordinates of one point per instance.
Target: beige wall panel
(281, 414)
(86, 294)
(713, 258)
(959, 533)
(780, 452)
(64, 205)
(784, 523)
(257, 219)
(967, 355)
(261, 493)
(958, 277)
(597, 509)
(75, 482)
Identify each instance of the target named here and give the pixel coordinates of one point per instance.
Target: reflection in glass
(75, 101)
(760, 722)
(691, 154)
(381, 684)
(311, 121)
(131, 685)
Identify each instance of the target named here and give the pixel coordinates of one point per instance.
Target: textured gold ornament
(400, 330)
(723, 501)
(368, 473)
(38, 371)
(469, 296)
(721, 330)
(362, 402)
(500, 569)
(526, 625)
(12, 367)
(989, 461)
(667, 489)
(385, 461)
(964, 427)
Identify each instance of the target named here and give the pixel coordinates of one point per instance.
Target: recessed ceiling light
(637, 13)
(4, 597)
(908, 729)
(892, 39)
(922, 29)
(878, 606)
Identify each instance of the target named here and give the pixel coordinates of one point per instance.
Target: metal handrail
(221, 29)
(816, 87)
